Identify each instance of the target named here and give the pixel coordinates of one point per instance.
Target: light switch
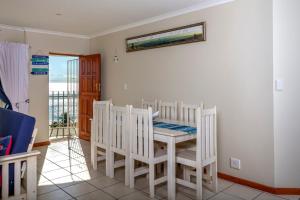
(279, 85)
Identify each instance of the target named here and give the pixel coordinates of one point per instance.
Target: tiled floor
(65, 173)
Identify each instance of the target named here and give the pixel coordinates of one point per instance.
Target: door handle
(97, 86)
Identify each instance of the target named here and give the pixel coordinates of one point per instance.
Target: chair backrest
(206, 134)
(100, 122)
(119, 128)
(147, 104)
(19, 126)
(141, 133)
(167, 110)
(187, 112)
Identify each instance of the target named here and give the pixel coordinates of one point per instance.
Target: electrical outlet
(235, 163)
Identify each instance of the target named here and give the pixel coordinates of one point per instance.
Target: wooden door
(89, 90)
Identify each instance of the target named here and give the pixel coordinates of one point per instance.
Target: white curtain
(14, 74)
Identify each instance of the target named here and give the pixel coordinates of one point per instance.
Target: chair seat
(186, 157)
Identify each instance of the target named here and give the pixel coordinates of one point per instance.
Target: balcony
(63, 114)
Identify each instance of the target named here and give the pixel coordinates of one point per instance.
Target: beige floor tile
(55, 195)
(103, 181)
(118, 190)
(46, 187)
(67, 163)
(54, 174)
(223, 184)
(80, 189)
(192, 193)
(89, 175)
(223, 196)
(58, 158)
(67, 181)
(77, 168)
(267, 196)
(160, 191)
(136, 196)
(47, 166)
(96, 195)
(290, 197)
(242, 192)
(41, 178)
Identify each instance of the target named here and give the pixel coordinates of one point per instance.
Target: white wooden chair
(142, 148)
(205, 154)
(99, 134)
(167, 110)
(187, 112)
(30, 180)
(147, 104)
(29, 149)
(119, 138)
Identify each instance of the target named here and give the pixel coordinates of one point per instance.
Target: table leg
(171, 169)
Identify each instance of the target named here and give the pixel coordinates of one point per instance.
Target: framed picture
(181, 35)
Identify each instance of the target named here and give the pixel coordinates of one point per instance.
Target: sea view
(57, 87)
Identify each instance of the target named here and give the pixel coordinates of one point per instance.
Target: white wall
(232, 70)
(38, 85)
(287, 102)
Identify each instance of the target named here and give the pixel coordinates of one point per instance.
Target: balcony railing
(63, 111)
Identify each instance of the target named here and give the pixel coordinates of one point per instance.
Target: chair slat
(118, 124)
(134, 133)
(124, 134)
(100, 124)
(207, 131)
(140, 135)
(31, 178)
(17, 179)
(114, 134)
(5, 180)
(167, 110)
(146, 136)
(211, 135)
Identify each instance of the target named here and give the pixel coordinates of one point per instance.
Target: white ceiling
(87, 17)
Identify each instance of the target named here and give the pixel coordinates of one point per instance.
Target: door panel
(89, 90)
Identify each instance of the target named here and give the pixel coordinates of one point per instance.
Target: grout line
(257, 196)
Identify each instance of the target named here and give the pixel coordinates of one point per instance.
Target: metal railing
(63, 111)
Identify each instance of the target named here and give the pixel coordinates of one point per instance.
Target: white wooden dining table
(171, 138)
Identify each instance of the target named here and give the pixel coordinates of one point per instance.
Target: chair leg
(127, 170)
(131, 173)
(199, 183)
(214, 177)
(94, 156)
(107, 162)
(151, 179)
(111, 161)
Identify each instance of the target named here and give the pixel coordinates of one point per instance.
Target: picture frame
(175, 36)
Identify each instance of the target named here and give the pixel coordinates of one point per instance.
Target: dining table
(172, 132)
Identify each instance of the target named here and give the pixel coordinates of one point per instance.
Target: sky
(58, 68)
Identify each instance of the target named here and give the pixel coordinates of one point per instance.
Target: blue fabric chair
(20, 127)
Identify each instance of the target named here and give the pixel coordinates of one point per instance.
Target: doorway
(63, 96)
